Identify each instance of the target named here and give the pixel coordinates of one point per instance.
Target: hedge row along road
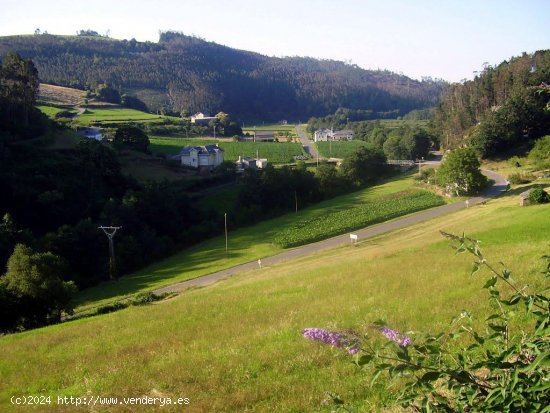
(499, 186)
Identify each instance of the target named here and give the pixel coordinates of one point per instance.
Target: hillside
(502, 108)
(183, 73)
(236, 346)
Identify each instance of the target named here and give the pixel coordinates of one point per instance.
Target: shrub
(518, 178)
(539, 196)
(495, 369)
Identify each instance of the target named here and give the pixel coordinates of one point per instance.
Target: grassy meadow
(275, 152)
(115, 114)
(339, 149)
(236, 346)
(245, 245)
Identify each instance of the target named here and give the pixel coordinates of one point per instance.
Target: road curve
(499, 186)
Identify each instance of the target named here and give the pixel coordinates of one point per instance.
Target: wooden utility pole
(225, 219)
(110, 232)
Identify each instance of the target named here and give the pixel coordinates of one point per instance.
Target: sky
(446, 39)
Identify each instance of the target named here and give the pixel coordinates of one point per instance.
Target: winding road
(499, 186)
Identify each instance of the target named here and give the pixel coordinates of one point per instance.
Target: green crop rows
(339, 222)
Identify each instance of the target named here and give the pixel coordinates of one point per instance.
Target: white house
(324, 135)
(92, 133)
(208, 156)
(321, 135)
(201, 119)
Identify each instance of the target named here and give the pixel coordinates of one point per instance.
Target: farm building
(250, 163)
(92, 133)
(264, 136)
(200, 118)
(201, 157)
(324, 135)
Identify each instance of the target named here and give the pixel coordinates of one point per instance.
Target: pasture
(245, 245)
(115, 114)
(339, 149)
(236, 346)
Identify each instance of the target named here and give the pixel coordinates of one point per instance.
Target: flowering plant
(500, 368)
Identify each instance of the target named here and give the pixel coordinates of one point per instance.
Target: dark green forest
(187, 74)
(502, 108)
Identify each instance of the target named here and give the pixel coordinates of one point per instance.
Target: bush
(518, 178)
(495, 369)
(539, 196)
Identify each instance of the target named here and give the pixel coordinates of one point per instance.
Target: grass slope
(236, 346)
(245, 245)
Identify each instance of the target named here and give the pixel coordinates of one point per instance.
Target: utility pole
(110, 232)
(225, 219)
(296, 200)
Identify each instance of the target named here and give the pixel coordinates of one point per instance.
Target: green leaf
(542, 358)
(490, 282)
(431, 376)
(366, 359)
(375, 377)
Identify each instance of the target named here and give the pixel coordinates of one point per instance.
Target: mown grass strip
(336, 223)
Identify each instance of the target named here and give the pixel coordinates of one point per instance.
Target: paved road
(499, 186)
(308, 147)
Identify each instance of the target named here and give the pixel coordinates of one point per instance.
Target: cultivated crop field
(336, 223)
(275, 152)
(339, 149)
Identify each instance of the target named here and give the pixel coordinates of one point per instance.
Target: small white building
(207, 156)
(321, 135)
(92, 133)
(200, 118)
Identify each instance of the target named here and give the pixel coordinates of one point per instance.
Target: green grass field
(339, 149)
(50, 111)
(275, 152)
(115, 115)
(236, 346)
(247, 244)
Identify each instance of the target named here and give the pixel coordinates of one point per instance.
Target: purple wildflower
(353, 350)
(333, 338)
(324, 336)
(396, 336)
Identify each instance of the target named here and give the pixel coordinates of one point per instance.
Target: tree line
(503, 107)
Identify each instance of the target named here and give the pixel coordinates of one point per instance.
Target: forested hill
(183, 73)
(503, 107)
